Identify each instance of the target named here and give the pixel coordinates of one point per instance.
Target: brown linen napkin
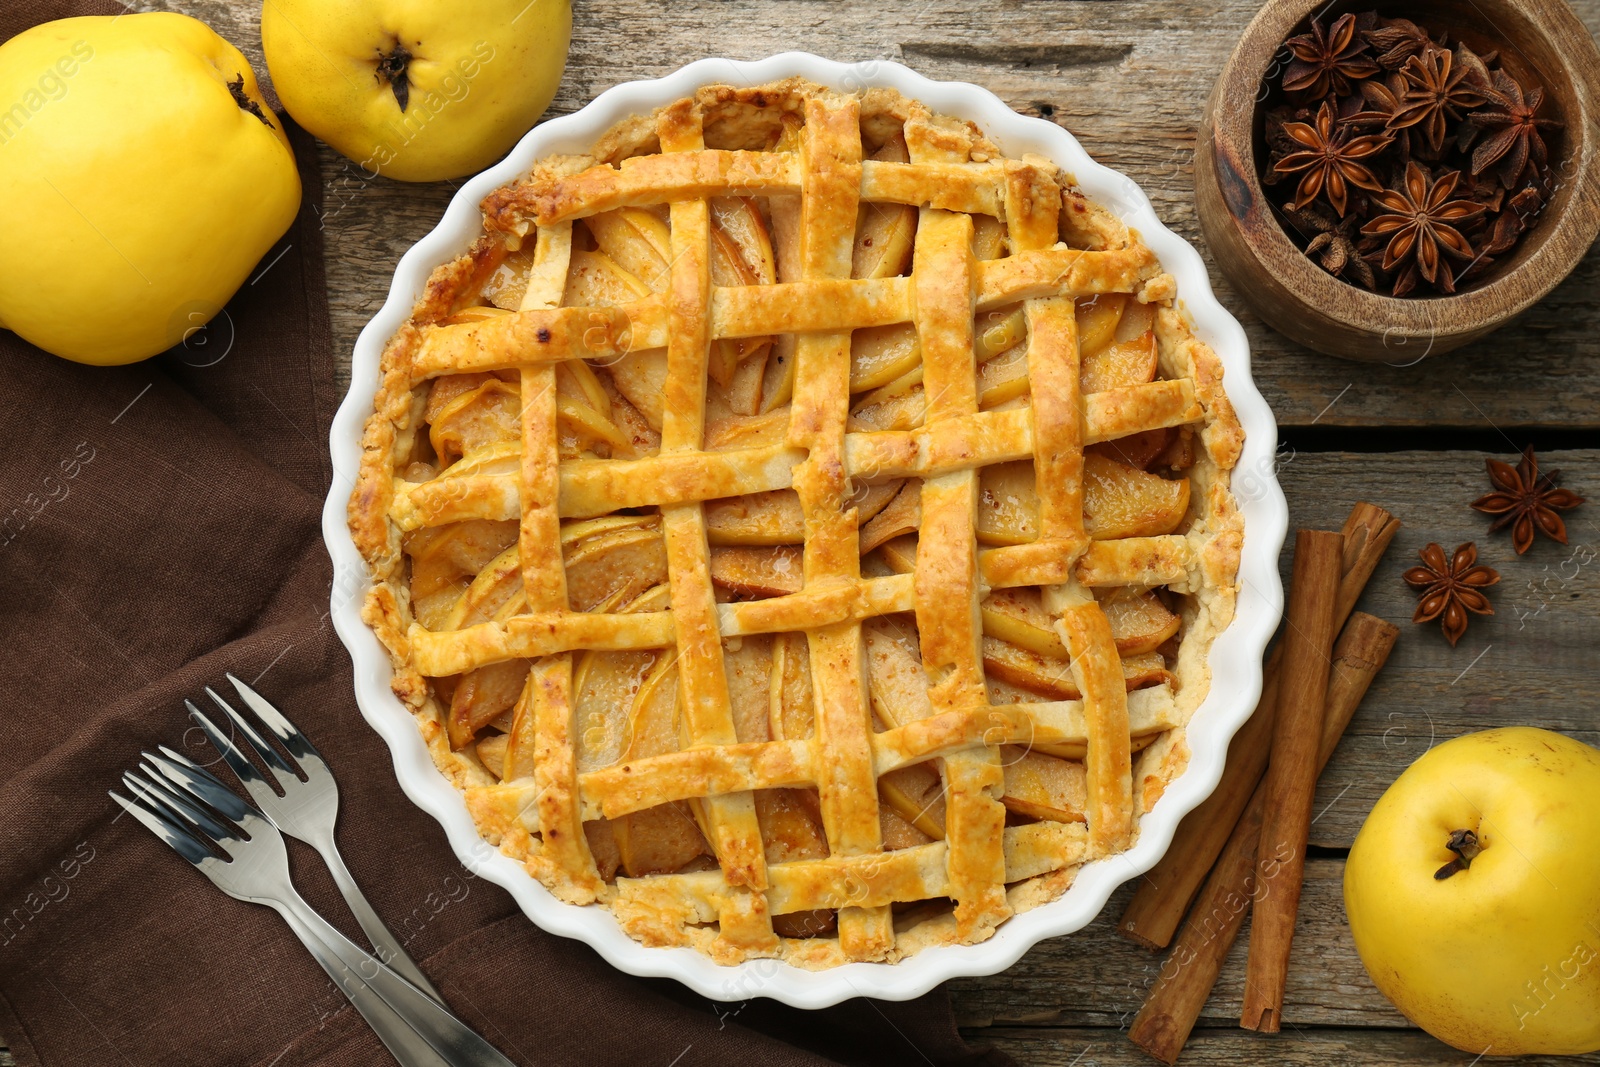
(159, 525)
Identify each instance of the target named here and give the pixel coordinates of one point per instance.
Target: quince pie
(800, 528)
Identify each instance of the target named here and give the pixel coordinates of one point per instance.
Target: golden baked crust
(799, 528)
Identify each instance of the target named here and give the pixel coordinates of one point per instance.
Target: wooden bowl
(1300, 299)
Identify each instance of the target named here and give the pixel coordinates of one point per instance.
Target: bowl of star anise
(1390, 183)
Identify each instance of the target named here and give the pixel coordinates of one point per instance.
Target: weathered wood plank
(1087, 1047)
(1095, 978)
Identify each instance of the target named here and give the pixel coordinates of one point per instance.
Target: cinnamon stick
(1367, 533)
(1186, 978)
(1292, 772)
(1164, 895)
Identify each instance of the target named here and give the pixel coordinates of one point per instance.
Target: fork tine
(174, 756)
(187, 800)
(285, 731)
(254, 782)
(180, 840)
(151, 798)
(157, 795)
(195, 779)
(263, 747)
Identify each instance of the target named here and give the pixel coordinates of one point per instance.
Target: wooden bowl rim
(1475, 311)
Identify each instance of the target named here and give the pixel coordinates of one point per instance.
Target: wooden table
(1128, 78)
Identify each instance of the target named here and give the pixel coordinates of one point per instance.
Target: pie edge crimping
(1213, 539)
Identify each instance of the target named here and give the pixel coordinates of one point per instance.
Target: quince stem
(1464, 843)
(236, 87)
(392, 69)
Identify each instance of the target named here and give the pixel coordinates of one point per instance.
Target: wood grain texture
(1130, 79)
(1078, 1047)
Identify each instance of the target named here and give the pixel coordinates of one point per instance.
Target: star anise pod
(1330, 160)
(1280, 144)
(1328, 61)
(1512, 123)
(1421, 239)
(1451, 588)
(1374, 106)
(1526, 501)
(1511, 223)
(1475, 69)
(1436, 88)
(1332, 242)
(1483, 189)
(1396, 41)
(1374, 111)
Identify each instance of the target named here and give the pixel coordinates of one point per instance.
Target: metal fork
(248, 861)
(307, 809)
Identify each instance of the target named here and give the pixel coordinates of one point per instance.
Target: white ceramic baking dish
(1235, 656)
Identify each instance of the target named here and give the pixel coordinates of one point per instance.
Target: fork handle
(386, 945)
(404, 1043)
(447, 1035)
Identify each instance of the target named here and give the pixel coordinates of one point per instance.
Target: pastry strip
(717, 769)
(841, 745)
(1137, 561)
(707, 717)
(544, 714)
(604, 333)
(663, 179)
(947, 584)
(962, 442)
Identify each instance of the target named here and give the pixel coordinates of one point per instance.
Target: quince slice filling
(826, 612)
(628, 702)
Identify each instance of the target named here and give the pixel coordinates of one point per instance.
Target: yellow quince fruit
(416, 89)
(1473, 892)
(142, 177)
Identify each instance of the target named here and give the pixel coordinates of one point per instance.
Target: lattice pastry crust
(799, 528)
